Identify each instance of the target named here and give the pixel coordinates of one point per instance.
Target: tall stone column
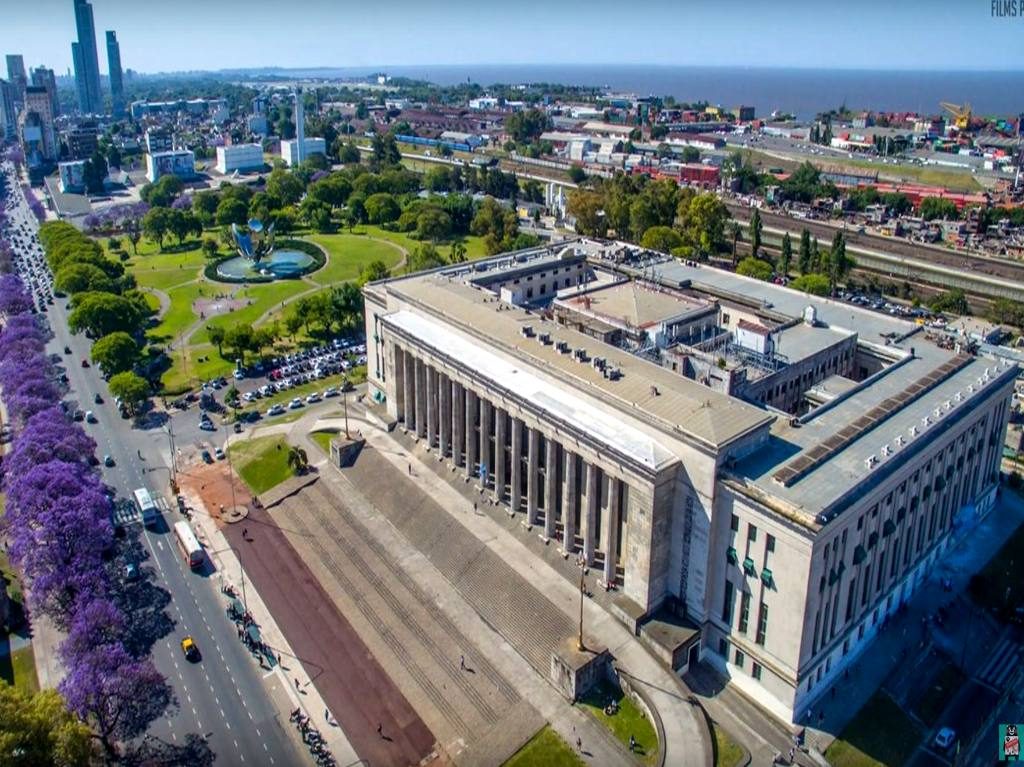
(431, 405)
(458, 422)
(515, 491)
(532, 477)
(421, 398)
(569, 502)
(589, 516)
(486, 416)
(500, 428)
(444, 426)
(409, 388)
(471, 410)
(550, 488)
(610, 534)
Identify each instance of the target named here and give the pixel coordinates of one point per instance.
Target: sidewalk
(229, 572)
(687, 741)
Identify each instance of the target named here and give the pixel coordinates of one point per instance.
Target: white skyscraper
(300, 127)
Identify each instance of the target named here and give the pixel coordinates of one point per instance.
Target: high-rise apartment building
(45, 78)
(8, 114)
(86, 61)
(16, 75)
(116, 77)
(35, 126)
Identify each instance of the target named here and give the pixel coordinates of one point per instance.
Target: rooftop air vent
(871, 461)
(926, 422)
(912, 431)
(959, 397)
(900, 441)
(614, 374)
(886, 451)
(527, 331)
(654, 391)
(544, 338)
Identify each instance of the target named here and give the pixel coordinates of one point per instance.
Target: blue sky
(167, 35)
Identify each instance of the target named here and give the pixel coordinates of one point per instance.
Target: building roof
(683, 408)
(635, 304)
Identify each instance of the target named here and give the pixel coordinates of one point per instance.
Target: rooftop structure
(780, 449)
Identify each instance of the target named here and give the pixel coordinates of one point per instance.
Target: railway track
(978, 264)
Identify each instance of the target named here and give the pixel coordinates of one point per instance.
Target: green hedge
(311, 249)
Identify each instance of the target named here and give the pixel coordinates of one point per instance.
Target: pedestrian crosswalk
(1001, 665)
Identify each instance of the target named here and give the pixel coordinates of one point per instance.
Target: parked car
(295, 404)
(314, 397)
(85, 363)
(97, 398)
(206, 456)
(276, 409)
(219, 454)
(90, 417)
(108, 461)
(944, 738)
(131, 571)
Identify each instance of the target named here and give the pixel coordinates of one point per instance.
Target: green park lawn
(881, 735)
(261, 462)
(628, 720)
(545, 749)
(728, 752)
(260, 299)
(19, 669)
(179, 315)
(323, 439)
(349, 254)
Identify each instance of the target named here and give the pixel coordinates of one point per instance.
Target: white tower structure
(300, 128)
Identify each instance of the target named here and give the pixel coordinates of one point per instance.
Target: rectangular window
(769, 545)
(755, 671)
(728, 603)
(723, 647)
(739, 658)
(762, 624)
(751, 533)
(744, 612)
(734, 523)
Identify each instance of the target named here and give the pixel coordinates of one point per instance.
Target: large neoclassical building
(781, 469)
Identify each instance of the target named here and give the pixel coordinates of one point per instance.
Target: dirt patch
(213, 484)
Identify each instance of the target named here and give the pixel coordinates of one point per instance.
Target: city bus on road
(188, 543)
(147, 508)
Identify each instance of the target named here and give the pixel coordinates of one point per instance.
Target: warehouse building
(781, 527)
(240, 157)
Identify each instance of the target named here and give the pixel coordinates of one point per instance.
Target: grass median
(881, 734)
(627, 720)
(545, 749)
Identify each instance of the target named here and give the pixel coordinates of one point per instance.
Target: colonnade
(580, 506)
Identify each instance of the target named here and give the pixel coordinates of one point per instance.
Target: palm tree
(298, 461)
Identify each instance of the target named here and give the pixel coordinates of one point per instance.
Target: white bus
(148, 510)
(188, 543)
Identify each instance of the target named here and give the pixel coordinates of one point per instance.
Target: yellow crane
(961, 114)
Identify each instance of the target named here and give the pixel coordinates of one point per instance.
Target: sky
(176, 35)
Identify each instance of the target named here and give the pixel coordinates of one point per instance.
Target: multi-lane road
(225, 697)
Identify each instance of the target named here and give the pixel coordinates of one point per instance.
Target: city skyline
(794, 34)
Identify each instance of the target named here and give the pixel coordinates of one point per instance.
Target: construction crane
(961, 114)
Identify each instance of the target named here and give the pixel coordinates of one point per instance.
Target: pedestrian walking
(380, 729)
(327, 715)
(462, 662)
(296, 683)
(410, 469)
(279, 659)
(792, 754)
(474, 507)
(632, 744)
(579, 744)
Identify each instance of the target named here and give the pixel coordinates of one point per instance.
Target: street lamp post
(344, 402)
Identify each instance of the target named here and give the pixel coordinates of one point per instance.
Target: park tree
(293, 324)
(839, 263)
(433, 224)
(115, 353)
(210, 247)
(381, 208)
(216, 334)
(664, 239)
(332, 190)
(74, 278)
(204, 206)
(754, 230)
(953, 301)
(385, 152)
(526, 126)
(755, 267)
(458, 253)
(438, 179)
(347, 304)
(182, 223)
(1005, 311)
(156, 225)
(239, 339)
(786, 256)
(576, 174)
(812, 284)
(94, 173)
(587, 207)
(691, 154)
(803, 264)
(132, 389)
(736, 236)
(425, 256)
(37, 729)
(348, 153)
(162, 193)
(298, 461)
(98, 314)
(703, 224)
(285, 186)
(938, 208)
(231, 210)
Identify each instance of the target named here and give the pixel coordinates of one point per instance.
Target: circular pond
(280, 264)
